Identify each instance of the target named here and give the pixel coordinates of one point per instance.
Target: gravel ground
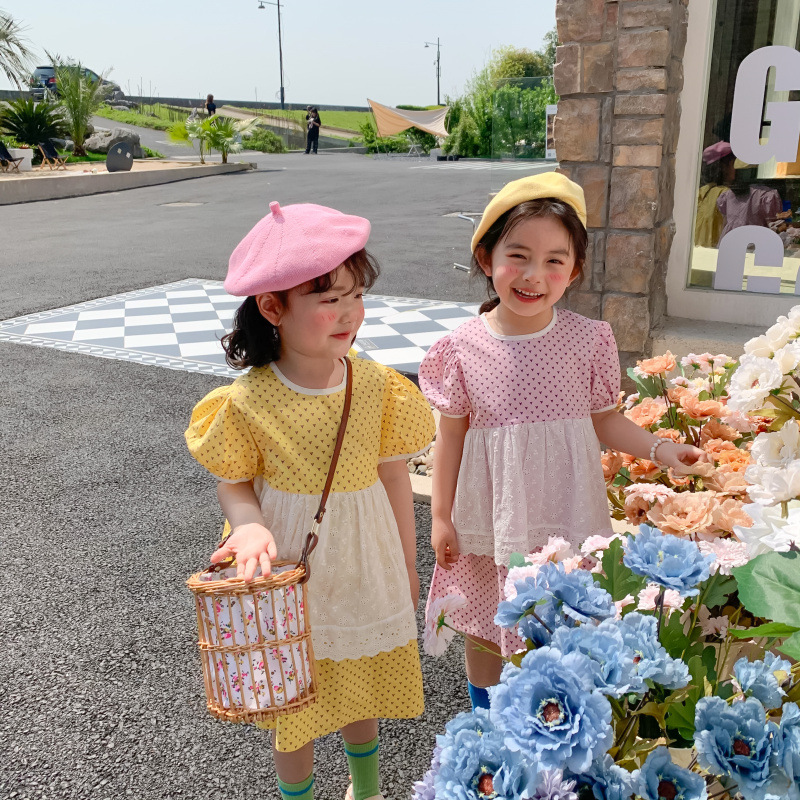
(102, 694)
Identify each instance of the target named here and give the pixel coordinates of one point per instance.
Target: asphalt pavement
(104, 514)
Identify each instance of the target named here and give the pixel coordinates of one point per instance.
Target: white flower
(680, 381)
(758, 346)
(649, 595)
(752, 382)
(783, 331)
(727, 554)
(794, 314)
(773, 485)
(437, 638)
(788, 357)
(597, 543)
(777, 449)
(770, 532)
(649, 492)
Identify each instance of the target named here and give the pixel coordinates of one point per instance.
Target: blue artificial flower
(651, 660)
(607, 780)
(617, 675)
(669, 561)
(558, 598)
(659, 778)
(738, 742)
(476, 765)
(789, 757)
(549, 710)
(758, 678)
(475, 720)
(425, 789)
(553, 786)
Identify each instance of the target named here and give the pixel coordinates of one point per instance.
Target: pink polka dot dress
(530, 467)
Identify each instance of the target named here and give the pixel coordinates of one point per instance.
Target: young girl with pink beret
(269, 437)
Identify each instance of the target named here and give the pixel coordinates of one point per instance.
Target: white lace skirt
(359, 603)
(520, 484)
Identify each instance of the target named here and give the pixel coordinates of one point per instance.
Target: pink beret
(715, 152)
(292, 245)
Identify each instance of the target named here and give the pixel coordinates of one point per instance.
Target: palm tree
(16, 59)
(213, 133)
(80, 97)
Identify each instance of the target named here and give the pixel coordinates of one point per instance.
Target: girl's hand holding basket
(252, 545)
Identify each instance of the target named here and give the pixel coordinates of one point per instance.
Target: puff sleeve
(220, 438)
(605, 370)
(407, 424)
(441, 379)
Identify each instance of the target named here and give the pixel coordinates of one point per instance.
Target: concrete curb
(79, 185)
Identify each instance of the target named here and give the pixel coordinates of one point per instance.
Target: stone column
(619, 73)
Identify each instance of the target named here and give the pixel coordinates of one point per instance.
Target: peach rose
(678, 480)
(658, 365)
(714, 429)
(737, 459)
(701, 409)
(648, 412)
(715, 446)
(612, 464)
(727, 481)
(640, 469)
(670, 433)
(731, 512)
(676, 394)
(684, 513)
(636, 509)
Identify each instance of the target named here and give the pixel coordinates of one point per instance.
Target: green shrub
(395, 144)
(31, 123)
(148, 153)
(265, 141)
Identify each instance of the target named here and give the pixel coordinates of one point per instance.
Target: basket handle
(313, 536)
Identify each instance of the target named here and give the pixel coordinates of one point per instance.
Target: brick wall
(619, 74)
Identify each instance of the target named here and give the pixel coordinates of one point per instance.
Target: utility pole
(280, 44)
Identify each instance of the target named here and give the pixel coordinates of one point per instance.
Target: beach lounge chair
(50, 156)
(7, 160)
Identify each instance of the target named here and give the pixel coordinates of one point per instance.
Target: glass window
(732, 194)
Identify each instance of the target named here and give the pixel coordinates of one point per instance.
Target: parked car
(43, 79)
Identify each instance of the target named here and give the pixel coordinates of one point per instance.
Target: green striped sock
(297, 791)
(363, 762)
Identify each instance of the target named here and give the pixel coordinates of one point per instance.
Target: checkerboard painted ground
(179, 325)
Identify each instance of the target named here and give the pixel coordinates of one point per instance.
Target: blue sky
(335, 52)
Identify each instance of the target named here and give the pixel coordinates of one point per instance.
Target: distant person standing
(211, 106)
(313, 123)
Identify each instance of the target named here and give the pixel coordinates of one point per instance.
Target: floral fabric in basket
(266, 618)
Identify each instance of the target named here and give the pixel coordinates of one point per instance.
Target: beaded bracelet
(656, 445)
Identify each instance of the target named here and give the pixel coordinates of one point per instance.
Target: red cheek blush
(558, 278)
(329, 317)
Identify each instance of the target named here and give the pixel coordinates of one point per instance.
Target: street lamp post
(280, 44)
(438, 63)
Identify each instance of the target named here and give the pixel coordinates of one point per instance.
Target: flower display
(789, 758)
(607, 780)
(727, 554)
(669, 561)
(738, 742)
(549, 708)
(660, 778)
(770, 531)
(763, 679)
(553, 786)
(753, 381)
(651, 660)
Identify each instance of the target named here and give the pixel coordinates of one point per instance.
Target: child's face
(322, 325)
(531, 268)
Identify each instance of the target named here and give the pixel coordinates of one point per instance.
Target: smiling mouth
(527, 295)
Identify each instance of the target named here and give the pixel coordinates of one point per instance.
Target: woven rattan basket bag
(255, 638)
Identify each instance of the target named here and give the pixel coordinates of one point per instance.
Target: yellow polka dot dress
(265, 429)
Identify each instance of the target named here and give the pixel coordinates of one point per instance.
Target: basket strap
(313, 536)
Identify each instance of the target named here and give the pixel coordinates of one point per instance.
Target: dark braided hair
(505, 223)
(255, 341)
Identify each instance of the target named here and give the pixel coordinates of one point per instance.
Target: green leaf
(791, 647)
(517, 560)
(718, 587)
(769, 587)
(618, 580)
(770, 629)
(680, 716)
(647, 387)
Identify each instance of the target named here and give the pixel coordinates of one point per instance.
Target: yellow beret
(547, 184)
